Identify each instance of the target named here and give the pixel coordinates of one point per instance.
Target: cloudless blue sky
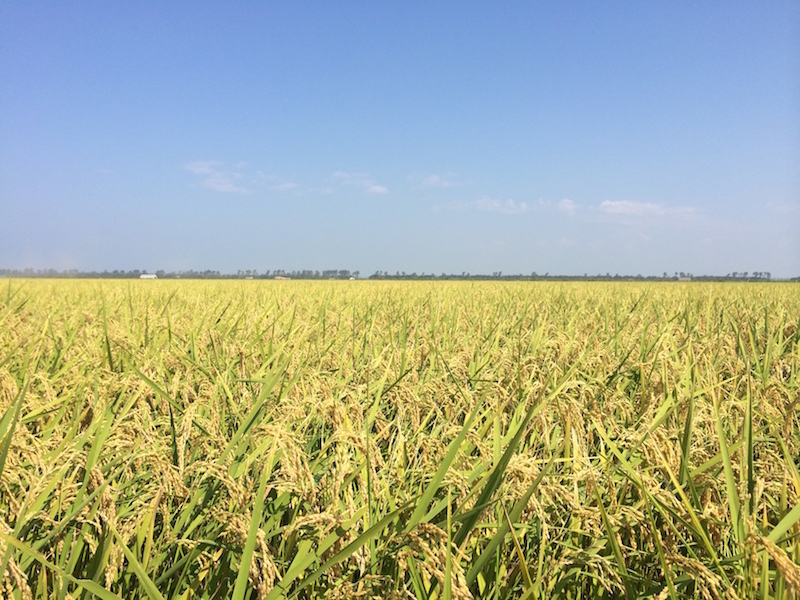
(561, 137)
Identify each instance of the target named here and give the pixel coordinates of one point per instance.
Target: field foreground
(268, 439)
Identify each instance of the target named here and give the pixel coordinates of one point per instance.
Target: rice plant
(271, 439)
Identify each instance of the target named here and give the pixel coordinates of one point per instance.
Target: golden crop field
(270, 439)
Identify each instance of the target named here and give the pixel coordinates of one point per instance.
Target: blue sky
(562, 137)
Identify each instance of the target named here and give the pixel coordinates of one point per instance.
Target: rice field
(288, 439)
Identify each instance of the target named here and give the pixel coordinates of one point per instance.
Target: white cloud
(566, 206)
(203, 167)
(436, 181)
(630, 207)
(510, 207)
(433, 180)
(224, 183)
(214, 176)
(642, 209)
(361, 180)
(783, 207)
(276, 183)
(350, 178)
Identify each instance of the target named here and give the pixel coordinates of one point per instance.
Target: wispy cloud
(566, 206)
(632, 208)
(361, 180)
(486, 204)
(436, 181)
(272, 182)
(783, 207)
(440, 181)
(215, 176)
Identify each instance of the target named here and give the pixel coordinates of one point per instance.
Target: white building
(148, 276)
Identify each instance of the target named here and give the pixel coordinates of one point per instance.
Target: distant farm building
(148, 276)
(283, 277)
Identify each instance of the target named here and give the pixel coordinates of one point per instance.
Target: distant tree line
(677, 276)
(191, 274)
(399, 275)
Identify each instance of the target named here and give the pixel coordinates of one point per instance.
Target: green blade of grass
(9, 423)
(516, 512)
(370, 534)
(614, 543)
(173, 438)
(448, 568)
(792, 517)
(88, 585)
(252, 534)
(660, 549)
(149, 587)
(686, 440)
(496, 477)
(697, 530)
(435, 482)
(730, 480)
(526, 576)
